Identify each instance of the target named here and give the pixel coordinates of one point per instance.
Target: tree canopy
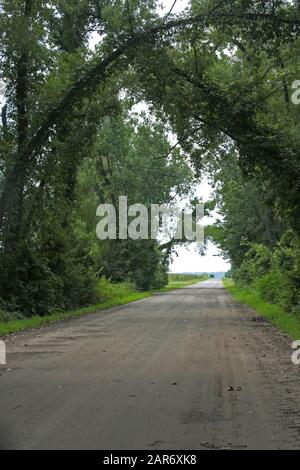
(218, 77)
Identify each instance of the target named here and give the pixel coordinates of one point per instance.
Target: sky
(179, 6)
(187, 258)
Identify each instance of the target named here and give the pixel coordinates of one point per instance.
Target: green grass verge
(15, 326)
(273, 313)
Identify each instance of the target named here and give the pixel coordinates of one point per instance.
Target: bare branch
(171, 9)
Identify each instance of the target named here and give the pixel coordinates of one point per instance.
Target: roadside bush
(7, 315)
(296, 310)
(274, 274)
(160, 277)
(139, 262)
(268, 286)
(108, 290)
(42, 287)
(35, 290)
(286, 261)
(257, 263)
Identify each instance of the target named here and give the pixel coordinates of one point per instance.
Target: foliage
(128, 158)
(217, 76)
(254, 235)
(275, 275)
(112, 295)
(108, 290)
(273, 313)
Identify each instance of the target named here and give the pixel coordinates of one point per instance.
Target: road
(188, 369)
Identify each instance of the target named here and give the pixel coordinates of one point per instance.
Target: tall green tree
(131, 159)
(221, 72)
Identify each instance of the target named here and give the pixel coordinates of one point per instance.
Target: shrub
(296, 310)
(257, 262)
(41, 287)
(286, 260)
(268, 286)
(8, 313)
(108, 290)
(139, 262)
(274, 274)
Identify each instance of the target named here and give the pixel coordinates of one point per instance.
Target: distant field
(177, 281)
(186, 277)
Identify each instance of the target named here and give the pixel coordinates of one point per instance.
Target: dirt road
(189, 369)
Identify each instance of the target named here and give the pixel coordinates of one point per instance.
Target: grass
(276, 315)
(175, 283)
(15, 326)
(118, 294)
(186, 277)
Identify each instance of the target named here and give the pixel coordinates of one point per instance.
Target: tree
(131, 159)
(217, 74)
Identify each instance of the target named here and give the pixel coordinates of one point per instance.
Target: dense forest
(221, 77)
